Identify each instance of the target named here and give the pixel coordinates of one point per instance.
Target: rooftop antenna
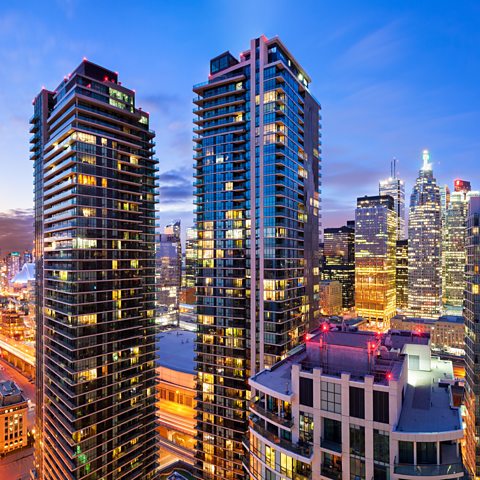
(393, 168)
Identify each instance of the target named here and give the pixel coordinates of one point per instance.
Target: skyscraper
(95, 195)
(453, 247)
(472, 338)
(401, 280)
(375, 251)
(257, 216)
(424, 245)
(339, 261)
(395, 187)
(169, 271)
(12, 261)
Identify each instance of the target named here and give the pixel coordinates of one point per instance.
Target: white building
(355, 405)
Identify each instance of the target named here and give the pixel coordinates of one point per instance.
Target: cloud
(16, 230)
(164, 103)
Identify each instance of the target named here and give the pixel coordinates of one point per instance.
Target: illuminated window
(104, 183)
(87, 319)
(86, 179)
(475, 289)
(229, 186)
(88, 212)
(270, 457)
(86, 137)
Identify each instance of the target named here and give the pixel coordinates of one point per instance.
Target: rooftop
(427, 404)
(458, 319)
(10, 394)
(176, 350)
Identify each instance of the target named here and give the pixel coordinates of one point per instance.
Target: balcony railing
(428, 470)
(333, 473)
(260, 409)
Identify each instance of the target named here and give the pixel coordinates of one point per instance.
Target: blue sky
(393, 78)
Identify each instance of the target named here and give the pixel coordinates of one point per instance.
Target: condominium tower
(257, 218)
(472, 338)
(375, 251)
(424, 245)
(395, 187)
(95, 195)
(453, 247)
(401, 280)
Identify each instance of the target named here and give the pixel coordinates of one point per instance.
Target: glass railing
(428, 470)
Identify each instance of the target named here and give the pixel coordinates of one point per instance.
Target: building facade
(354, 405)
(169, 272)
(257, 219)
(375, 252)
(472, 337)
(448, 331)
(330, 297)
(339, 260)
(424, 245)
(453, 247)
(13, 418)
(95, 195)
(395, 187)
(13, 263)
(401, 279)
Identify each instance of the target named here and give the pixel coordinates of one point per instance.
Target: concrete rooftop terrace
(427, 404)
(176, 350)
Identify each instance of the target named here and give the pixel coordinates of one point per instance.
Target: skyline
(390, 84)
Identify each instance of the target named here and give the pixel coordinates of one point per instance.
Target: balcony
(331, 472)
(428, 470)
(304, 450)
(259, 407)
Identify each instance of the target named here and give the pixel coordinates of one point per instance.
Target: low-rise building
(352, 405)
(13, 417)
(330, 297)
(176, 397)
(447, 331)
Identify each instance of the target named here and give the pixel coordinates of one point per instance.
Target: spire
(426, 161)
(393, 168)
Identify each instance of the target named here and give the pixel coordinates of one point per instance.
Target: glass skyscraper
(95, 194)
(424, 245)
(395, 187)
(472, 338)
(257, 165)
(453, 247)
(375, 252)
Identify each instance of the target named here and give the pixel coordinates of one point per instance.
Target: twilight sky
(393, 78)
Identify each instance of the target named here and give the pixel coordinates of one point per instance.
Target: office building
(446, 332)
(395, 187)
(424, 245)
(12, 261)
(330, 297)
(13, 418)
(339, 260)
(95, 194)
(453, 247)
(353, 405)
(176, 397)
(257, 219)
(169, 272)
(375, 252)
(401, 279)
(472, 337)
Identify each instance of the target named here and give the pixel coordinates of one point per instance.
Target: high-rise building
(401, 279)
(339, 260)
(12, 261)
(169, 271)
(424, 245)
(453, 247)
(395, 187)
(257, 219)
(472, 337)
(95, 195)
(375, 252)
(190, 257)
(356, 405)
(330, 297)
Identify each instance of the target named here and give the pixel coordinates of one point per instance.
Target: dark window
(381, 448)
(380, 472)
(332, 430)
(380, 406)
(357, 402)
(357, 440)
(426, 453)
(405, 452)
(306, 391)
(357, 468)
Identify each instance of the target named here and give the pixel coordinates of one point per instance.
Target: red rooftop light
(324, 327)
(389, 376)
